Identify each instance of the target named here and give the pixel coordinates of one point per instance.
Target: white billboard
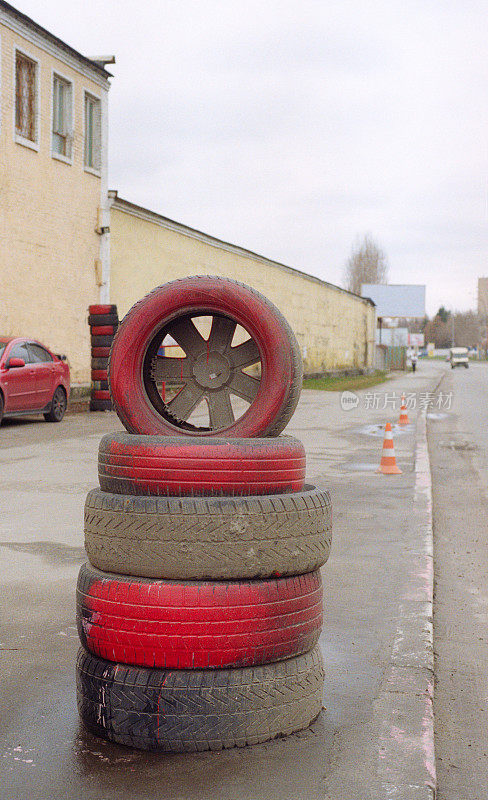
(416, 339)
(392, 337)
(396, 299)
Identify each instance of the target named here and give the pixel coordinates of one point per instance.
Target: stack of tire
(103, 321)
(200, 609)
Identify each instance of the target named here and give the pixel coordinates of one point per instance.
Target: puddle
(379, 430)
(436, 415)
(357, 467)
(457, 445)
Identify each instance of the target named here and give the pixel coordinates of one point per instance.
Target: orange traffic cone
(388, 465)
(404, 420)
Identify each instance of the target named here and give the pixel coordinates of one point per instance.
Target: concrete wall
(48, 208)
(334, 328)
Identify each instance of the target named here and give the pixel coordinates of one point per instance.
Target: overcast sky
(292, 128)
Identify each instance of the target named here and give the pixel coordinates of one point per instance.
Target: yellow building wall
(48, 215)
(334, 328)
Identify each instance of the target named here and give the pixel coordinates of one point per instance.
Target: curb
(403, 711)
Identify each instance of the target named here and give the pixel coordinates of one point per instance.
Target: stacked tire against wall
(200, 609)
(103, 321)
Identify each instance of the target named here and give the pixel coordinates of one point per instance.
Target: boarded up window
(25, 97)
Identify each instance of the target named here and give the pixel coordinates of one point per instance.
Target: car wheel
(58, 406)
(193, 710)
(211, 374)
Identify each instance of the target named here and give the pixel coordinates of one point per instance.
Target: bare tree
(366, 264)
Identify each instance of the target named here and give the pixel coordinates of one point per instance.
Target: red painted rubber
(197, 625)
(102, 309)
(102, 330)
(100, 352)
(100, 394)
(99, 374)
(281, 367)
(175, 465)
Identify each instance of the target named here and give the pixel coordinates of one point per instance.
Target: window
(25, 97)
(92, 133)
(38, 354)
(62, 117)
(20, 351)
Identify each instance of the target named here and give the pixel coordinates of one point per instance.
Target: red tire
(212, 370)
(102, 309)
(100, 352)
(103, 330)
(99, 374)
(170, 465)
(197, 625)
(100, 394)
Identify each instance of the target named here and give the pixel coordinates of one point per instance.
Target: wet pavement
(44, 752)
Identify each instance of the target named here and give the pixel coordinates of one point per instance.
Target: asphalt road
(459, 458)
(45, 754)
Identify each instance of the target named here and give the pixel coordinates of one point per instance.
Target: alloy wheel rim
(211, 371)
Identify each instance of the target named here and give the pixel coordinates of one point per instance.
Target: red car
(32, 380)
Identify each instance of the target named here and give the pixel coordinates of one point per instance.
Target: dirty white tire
(198, 538)
(195, 710)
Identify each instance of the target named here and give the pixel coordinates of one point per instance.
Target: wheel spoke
(244, 354)
(244, 386)
(220, 409)
(163, 368)
(221, 333)
(186, 400)
(184, 332)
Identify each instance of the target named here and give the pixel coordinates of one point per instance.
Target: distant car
(32, 380)
(458, 356)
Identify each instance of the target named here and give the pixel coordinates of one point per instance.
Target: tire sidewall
(205, 296)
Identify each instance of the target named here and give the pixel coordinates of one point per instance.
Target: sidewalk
(372, 741)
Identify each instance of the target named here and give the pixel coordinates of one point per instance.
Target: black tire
(99, 386)
(101, 405)
(198, 538)
(59, 404)
(103, 319)
(194, 710)
(101, 341)
(99, 363)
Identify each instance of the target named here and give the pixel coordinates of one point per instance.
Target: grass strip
(339, 384)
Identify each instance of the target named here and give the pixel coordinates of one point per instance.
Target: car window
(20, 351)
(38, 353)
